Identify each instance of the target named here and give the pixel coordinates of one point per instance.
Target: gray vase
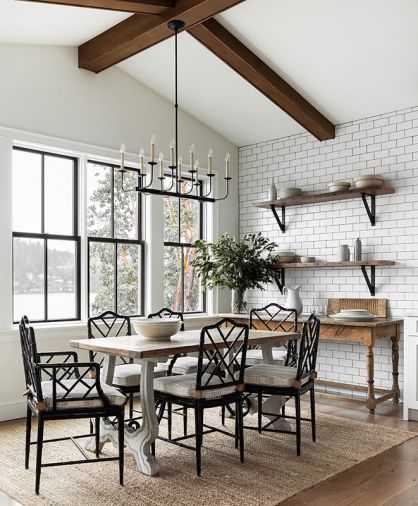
(272, 191)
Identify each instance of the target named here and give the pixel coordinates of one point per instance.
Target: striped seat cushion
(271, 375)
(255, 357)
(183, 365)
(75, 398)
(185, 386)
(129, 375)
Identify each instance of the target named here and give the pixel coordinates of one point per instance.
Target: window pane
(171, 219)
(129, 280)
(62, 284)
(126, 207)
(26, 191)
(190, 221)
(172, 278)
(28, 278)
(193, 299)
(99, 196)
(59, 195)
(102, 277)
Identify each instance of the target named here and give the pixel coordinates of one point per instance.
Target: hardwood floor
(390, 479)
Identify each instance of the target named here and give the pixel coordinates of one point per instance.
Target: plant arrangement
(237, 265)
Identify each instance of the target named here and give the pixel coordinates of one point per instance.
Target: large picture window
(46, 244)
(183, 225)
(115, 247)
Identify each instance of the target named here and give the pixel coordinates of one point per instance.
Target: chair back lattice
(275, 317)
(108, 324)
(225, 349)
(29, 355)
(308, 348)
(165, 312)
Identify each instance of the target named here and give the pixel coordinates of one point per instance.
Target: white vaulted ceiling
(350, 59)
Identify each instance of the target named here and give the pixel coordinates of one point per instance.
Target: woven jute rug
(271, 473)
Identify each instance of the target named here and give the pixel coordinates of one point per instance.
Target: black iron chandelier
(181, 186)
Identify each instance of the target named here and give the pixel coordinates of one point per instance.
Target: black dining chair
(217, 382)
(59, 387)
(288, 381)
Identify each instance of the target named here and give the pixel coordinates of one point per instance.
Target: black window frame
(75, 237)
(185, 245)
(117, 241)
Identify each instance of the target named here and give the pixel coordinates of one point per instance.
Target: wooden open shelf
(315, 198)
(363, 264)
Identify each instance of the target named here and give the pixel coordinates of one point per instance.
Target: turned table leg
(395, 366)
(371, 399)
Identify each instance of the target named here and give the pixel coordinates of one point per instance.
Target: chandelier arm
(211, 176)
(122, 171)
(227, 179)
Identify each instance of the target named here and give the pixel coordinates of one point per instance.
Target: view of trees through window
(45, 236)
(183, 221)
(115, 248)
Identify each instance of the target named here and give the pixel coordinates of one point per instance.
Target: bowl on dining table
(157, 330)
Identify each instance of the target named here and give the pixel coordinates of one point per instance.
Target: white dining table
(147, 353)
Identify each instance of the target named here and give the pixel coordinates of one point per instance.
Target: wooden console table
(367, 333)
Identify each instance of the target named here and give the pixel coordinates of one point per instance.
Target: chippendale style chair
(289, 381)
(217, 382)
(59, 387)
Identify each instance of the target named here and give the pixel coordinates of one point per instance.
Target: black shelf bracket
(371, 210)
(280, 221)
(371, 281)
(280, 279)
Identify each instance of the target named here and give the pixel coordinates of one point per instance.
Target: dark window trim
(116, 241)
(45, 236)
(184, 245)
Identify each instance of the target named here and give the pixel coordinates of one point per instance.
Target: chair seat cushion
(183, 365)
(129, 375)
(185, 386)
(271, 375)
(255, 357)
(75, 398)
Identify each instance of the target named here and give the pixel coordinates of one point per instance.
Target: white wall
(385, 144)
(45, 99)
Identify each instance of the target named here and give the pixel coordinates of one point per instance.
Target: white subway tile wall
(385, 144)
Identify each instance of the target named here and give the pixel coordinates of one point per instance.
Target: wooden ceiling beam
(140, 32)
(235, 54)
(136, 6)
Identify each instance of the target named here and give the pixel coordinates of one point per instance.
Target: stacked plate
(356, 315)
(286, 193)
(338, 186)
(368, 181)
(286, 256)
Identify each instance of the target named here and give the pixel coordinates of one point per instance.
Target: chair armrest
(64, 357)
(52, 354)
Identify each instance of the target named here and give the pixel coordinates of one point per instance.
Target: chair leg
(185, 421)
(161, 409)
(169, 418)
(121, 438)
(198, 413)
(28, 432)
(236, 425)
(97, 435)
(153, 449)
(223, 415)
(298, 433)
(241, 430)
(131, 406)
(313, 418)
(39, 445)
(260, 410)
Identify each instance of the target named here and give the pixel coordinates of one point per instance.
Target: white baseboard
(12, 410)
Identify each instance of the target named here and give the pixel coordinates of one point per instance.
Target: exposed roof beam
(139, 32)
(235, 54)
(137, 6)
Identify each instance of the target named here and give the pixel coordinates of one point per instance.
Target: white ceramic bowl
(337, 186)
(368, 183)
(307, 260)
(378, 177)
(158, 330)
(285, 193)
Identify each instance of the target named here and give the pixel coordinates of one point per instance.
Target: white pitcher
(293, 299)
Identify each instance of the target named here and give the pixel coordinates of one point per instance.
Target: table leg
(395, 366)
(139, 441)
(371, 399)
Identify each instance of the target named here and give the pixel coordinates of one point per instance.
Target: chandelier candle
(210, 155)
(141, 161)
(227, 159)
(161, 159)
(122, 156)
(153, 139)
(191, 153)
(172, 163)
(180, 178)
